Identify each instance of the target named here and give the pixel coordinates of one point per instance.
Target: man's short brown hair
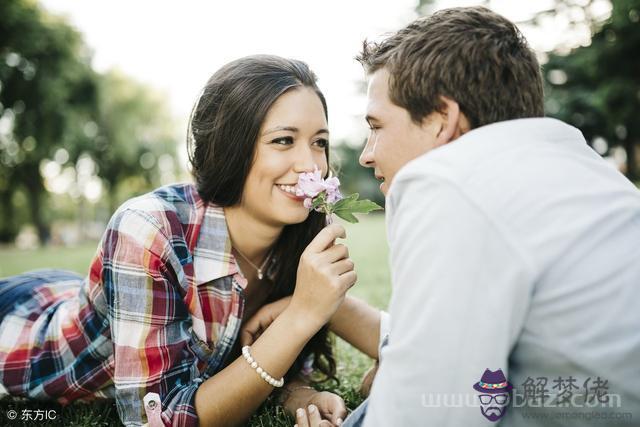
(471, 55)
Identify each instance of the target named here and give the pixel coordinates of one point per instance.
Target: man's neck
(250, 236)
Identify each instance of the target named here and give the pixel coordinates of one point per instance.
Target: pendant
(259, 274)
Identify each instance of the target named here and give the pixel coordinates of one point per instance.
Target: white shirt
(514, 247)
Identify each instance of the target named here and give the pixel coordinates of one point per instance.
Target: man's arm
(461, 291)
(358, 323)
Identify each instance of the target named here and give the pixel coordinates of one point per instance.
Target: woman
(155, 324)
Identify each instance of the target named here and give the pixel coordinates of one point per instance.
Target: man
(514, 248)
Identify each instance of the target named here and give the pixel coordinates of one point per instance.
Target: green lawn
(367, 247)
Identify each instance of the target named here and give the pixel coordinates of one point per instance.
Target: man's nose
(367, 159)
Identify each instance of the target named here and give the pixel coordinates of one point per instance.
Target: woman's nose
(305, 161)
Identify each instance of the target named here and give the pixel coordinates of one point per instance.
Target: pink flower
(310, 184)
(331, 186)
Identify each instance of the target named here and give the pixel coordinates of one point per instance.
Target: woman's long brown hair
(223, 130)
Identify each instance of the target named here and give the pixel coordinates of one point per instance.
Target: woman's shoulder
(163, 206)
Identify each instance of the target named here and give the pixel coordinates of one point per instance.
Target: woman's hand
(325, 273)
(260, 321)
(318, 408)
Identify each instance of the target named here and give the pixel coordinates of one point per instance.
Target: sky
(175, 48)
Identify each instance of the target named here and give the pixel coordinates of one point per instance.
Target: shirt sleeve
(149, 324)
(460, 294)
(384, 331)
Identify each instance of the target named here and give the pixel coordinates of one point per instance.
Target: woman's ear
(453, 122)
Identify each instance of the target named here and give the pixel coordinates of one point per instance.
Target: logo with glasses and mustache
(494, 394)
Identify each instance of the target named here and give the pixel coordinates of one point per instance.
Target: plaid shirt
(157, 315)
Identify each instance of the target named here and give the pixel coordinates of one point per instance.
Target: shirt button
(152, 404)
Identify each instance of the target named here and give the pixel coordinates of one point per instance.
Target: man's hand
(367, 380)
(325, 409)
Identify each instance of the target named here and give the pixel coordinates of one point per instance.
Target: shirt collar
(212, 257)
(544, 128)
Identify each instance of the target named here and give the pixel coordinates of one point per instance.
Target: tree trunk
(35, 192)
(8, 231)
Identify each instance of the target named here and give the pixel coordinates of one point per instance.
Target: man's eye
(286, 140)
(322, 143)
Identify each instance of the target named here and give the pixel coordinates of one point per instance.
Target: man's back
(515, 247)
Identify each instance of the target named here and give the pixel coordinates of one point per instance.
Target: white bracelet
(263, 374)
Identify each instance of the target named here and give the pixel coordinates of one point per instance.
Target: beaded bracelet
(263, 374)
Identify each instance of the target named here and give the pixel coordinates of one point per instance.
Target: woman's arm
(355, 321)
(324, 275)
(234, 393)
(358, 323)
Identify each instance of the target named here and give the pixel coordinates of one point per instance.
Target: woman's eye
(287, 140)
(322, 143)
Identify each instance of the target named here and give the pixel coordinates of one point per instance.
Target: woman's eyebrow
(281, 128)
(291, 129)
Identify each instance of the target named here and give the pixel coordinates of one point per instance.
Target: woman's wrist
(302, 320)
(342, 314)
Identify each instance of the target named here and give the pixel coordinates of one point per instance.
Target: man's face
(394, 139)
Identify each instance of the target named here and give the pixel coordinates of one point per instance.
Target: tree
(597, 87)
(54, 106)
(134, 131)
(47, 89)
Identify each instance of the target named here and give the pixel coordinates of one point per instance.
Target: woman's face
(293, 138)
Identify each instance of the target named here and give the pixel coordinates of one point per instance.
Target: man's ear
(453, 122)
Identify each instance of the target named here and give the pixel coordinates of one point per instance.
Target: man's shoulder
(498, 147)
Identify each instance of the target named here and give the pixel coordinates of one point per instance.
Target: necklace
(258, 269)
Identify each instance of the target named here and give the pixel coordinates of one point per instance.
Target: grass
(368, 249)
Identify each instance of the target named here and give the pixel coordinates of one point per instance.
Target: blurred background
(95, 95)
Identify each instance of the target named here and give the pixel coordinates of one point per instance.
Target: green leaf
(347, 216)
(346, 207)
(317, 202)
(344, 201)
(358, 206)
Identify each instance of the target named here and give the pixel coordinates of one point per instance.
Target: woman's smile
(289, 191)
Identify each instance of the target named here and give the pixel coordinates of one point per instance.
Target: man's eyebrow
(370, 118)
(291, 129)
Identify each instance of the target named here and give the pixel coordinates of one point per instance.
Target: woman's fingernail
(339, 422)
(300, 412)
(311, 409)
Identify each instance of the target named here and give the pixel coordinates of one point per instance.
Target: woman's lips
(290, 195)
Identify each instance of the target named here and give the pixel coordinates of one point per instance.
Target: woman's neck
(248, 235)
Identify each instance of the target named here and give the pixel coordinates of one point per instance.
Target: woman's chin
(294, 216)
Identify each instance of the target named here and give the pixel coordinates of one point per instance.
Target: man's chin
(384, 187)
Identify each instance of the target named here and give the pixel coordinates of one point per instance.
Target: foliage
(597, 87)
(46, 88)
(58, 115)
